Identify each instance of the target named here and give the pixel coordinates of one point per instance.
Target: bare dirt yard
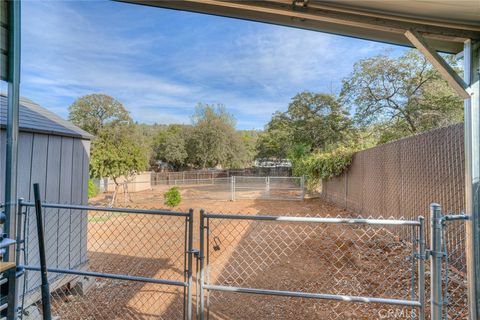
(332, 259)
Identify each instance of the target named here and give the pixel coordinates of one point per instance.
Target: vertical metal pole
(185, 265)
(421, 267)
(189, 264)
(197, 286)
(471, 59)
(436, 261)
(302, 185)
(233, 187)
(18, 250)
(12, 120)
(43, 260)
(201, 257)
(13, 79)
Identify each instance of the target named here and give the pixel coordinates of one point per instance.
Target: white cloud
(160, 75)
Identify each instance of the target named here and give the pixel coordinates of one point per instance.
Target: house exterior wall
(60, 165)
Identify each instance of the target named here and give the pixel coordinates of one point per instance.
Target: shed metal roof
(445, 24)
(34, 118)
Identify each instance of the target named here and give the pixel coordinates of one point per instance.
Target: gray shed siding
(60, 165)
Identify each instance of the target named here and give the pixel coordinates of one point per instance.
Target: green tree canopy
(170, 145)
(312, 119)
(214, 140)
(249, 141)
(400, 96)
(94, 111)
(116, 152)
(211, 140)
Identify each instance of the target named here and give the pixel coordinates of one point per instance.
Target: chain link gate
(108, 263)
(251, 255)
(108, 251)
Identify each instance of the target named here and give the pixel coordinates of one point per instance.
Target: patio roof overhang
(445, 24)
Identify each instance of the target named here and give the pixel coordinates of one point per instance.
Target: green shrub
(323, 165)
(172, 197)
(93, 189)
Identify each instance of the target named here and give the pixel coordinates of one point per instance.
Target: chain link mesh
(455, 272)
(141, 245)
(226, 188)
(364, 260)
(401, 179)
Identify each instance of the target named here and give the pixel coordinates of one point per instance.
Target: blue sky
(161, 63)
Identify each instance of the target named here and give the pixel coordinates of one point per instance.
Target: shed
(54, 153)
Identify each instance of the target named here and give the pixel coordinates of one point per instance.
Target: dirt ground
(332, 259)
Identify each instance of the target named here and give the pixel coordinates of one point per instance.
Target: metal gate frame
(434, 253)
(203, 287)
(188, 254)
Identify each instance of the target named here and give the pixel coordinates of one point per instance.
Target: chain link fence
(228, 188)
(126, 263)
(401, 179)
(342, 259)
(455, 288)
(107, 263)
(167, 177)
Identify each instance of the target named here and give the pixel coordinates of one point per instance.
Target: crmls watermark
(397, 314)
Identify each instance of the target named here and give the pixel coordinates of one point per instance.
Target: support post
(302, 185)
(472, 174)
(421, 267)
(447, 72)
(189, 264)
(13, 79)
(12, 120)
(436, 261)
(201, 257)
(232, 188)
(20, 235)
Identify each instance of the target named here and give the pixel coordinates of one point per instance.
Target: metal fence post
(436, 261)
(421, 267)
(189, 263)
(201, 257)
(232, 187)
(18, 249)
(45, 290)
(302, 185)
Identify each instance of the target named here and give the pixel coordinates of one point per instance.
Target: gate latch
(216, 243)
